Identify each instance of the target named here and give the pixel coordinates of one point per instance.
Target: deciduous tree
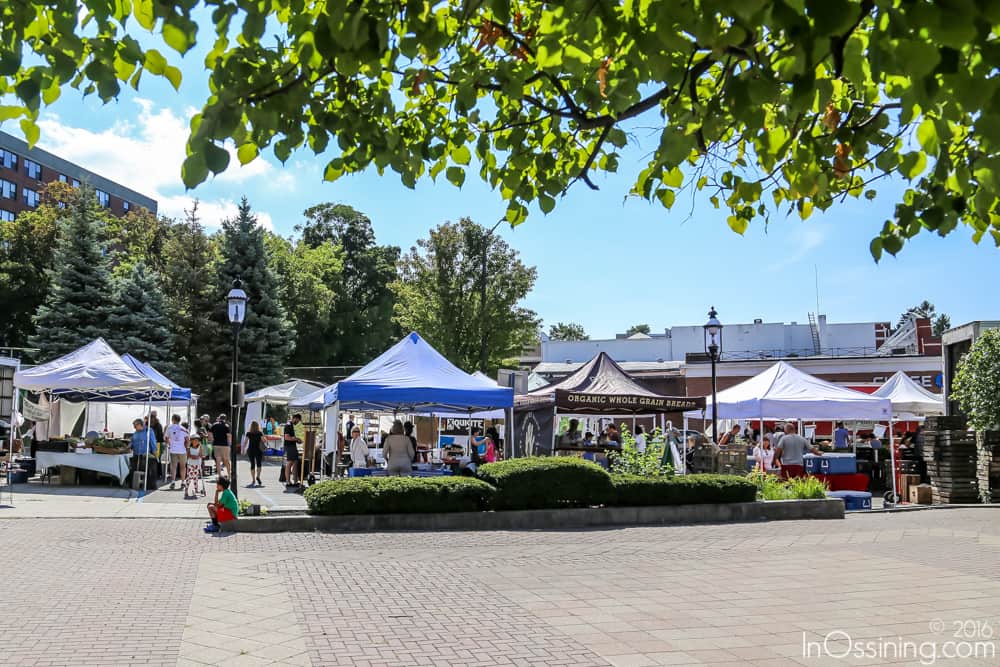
(440, 294)
(977, 382)
(567, 331)
(764, 107)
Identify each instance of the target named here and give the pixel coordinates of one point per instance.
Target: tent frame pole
(555, 428)
(892, 461)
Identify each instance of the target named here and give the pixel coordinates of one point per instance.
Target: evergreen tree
(188, 279)
(138, 323)
(265, 340)
(77, 305)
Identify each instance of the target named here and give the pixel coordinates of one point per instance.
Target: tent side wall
(532, 432)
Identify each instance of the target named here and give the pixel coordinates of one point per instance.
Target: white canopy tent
(909, 398)
(94, 372)
(279, 394)
(784, 392)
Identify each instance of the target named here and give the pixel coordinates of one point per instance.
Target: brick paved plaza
(160, 592)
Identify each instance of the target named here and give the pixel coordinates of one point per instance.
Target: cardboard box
(905, 483)
(920, 494)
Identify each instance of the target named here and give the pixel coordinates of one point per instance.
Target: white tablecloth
(112, 464)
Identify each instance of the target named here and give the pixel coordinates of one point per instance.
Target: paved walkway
(82, 592)
(39, 500)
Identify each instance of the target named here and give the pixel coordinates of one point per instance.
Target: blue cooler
(837, 464)
(811, 463)
(853, 500)
(360, 472)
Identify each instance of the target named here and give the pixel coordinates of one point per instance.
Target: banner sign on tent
(572, 401)
(34, 412)
(533, 433)
(459, 425)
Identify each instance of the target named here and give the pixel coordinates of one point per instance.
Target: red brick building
(25, 171)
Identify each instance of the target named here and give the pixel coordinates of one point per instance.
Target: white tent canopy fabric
(784, 392)
(93, 372)
(284, 393)
(909, 398)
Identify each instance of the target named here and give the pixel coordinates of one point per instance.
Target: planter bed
(549, 519)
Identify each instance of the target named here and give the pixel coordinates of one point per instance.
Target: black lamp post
(713, 346)
(237, 300)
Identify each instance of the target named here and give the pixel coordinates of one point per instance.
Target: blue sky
(602, 261)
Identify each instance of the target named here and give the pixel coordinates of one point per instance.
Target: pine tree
(188, 279)
(77, 305)
(265, 340)
(138, 323)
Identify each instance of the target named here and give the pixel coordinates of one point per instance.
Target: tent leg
(555, 427)
(892, 459)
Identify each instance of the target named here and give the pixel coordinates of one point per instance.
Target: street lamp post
(237, 311)
(713, 346)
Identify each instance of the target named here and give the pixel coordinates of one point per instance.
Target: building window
(30, 197)
(63, 179)
(8, 159)
(126, 206)
(76, 183)
(33, 169)
(102, 198)
(6, 216)
(8, 190)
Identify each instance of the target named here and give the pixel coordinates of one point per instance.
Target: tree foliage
(638, 328)
(266, 337)
(361, 325)
(78, 300)
(188, 279)
(138, 323)
(567, 331)
(762, 106)
(977, 382)
(461, 289)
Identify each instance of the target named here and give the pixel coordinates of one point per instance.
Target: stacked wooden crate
(950, 454)
(988, 446)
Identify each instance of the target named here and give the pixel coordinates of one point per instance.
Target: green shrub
(547, 481)
(651, 463)
(635, 490)
(399, 495)
(772, 487)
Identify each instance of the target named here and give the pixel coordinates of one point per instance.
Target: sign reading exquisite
(610, 403)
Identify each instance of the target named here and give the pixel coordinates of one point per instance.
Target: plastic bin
(853, 500)
(838, 464)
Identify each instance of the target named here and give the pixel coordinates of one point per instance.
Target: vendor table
(381, 472)
(116, 465)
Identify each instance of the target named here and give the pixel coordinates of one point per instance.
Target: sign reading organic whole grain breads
(571, 401)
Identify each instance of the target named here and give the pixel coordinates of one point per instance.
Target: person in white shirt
(640, 439)
(177, 441)
(358, 450)
(764, 454)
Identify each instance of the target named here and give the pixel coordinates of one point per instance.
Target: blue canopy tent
(411, 376)
(177, 393)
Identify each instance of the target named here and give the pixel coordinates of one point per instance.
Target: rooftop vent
(758, 321)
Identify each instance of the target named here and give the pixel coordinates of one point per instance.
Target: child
(225, 507)
(193, 475)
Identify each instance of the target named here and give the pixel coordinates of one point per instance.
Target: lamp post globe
(236, 302)
(713, 348)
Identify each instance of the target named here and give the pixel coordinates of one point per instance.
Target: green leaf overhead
(815, 101)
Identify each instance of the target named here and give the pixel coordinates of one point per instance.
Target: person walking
(398, 452)
(255, 452)
(358, 450)
(177, 442)
(222, 440)
(292, 459)
(193, 477)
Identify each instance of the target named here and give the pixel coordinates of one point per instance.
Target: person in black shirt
(255, 452)
(292, 442)
(222, 439)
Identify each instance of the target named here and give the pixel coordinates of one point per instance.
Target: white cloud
(145, 154)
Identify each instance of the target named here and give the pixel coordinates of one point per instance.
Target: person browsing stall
(790, 451)
(764, 454)
(358, 449)
(398, 452)
(841, 437)
(143, 443)
(292, 442)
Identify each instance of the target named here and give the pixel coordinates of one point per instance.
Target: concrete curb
(777, 510)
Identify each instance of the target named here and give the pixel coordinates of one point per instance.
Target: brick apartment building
(25, 171)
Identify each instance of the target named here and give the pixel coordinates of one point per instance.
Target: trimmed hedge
(399, 495)
(633, 490)
(545, 482)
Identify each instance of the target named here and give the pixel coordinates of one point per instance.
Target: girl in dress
(193, 477)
